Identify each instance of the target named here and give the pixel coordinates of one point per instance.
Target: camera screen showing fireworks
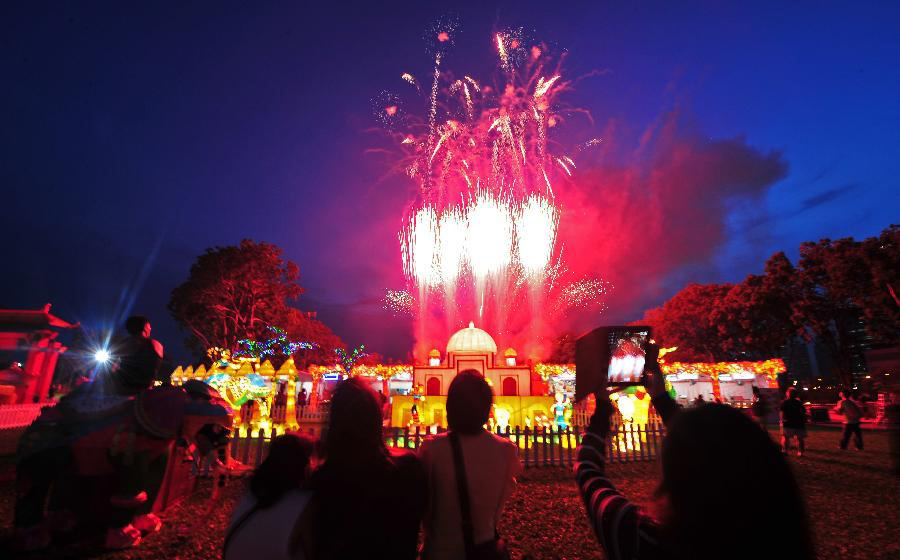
(627, 351)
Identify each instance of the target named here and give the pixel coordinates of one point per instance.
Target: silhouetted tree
(845, 285)
(688, 321)
(300, 327)
(563, 351)
(233, 293)
(838, 288)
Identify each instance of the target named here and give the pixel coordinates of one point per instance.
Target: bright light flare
(420, 245)
(102, 356)
(536, 225)
(490, 235)
(453, 235)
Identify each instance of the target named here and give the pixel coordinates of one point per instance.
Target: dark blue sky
(134, 138)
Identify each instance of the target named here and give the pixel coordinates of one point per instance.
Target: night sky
(134, 138)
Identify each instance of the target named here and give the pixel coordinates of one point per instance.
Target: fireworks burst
(388, 109)
(582, 294)
(441, 35)
(483, 231)
(400, 302)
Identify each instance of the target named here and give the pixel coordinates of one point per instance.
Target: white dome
(471, 340)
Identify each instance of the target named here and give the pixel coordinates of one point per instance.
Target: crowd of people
(366, 500)
(363, 499)
(794, 418)
(348, 495)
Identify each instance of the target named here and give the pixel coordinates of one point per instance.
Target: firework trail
(480, 241)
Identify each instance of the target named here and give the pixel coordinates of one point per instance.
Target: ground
(849, 496)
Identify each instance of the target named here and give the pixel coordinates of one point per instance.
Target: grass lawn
(851, 499)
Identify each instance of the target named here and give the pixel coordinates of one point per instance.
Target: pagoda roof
(33, 319)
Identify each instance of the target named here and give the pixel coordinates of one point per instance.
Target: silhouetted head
(722, 476)
(354, 433)
(285, 468)
(138, 325)
(468, 402)
(846, 393)
(791, 392)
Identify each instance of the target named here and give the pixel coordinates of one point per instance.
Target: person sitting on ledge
(721, 474)
(139, 358)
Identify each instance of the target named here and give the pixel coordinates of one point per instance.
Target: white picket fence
(541, 447)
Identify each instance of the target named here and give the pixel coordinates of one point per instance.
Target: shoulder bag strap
(234, 528)
(462, 488)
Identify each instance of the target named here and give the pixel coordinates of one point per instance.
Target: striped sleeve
(623, 531)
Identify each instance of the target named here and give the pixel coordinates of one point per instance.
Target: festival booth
(737, 388)
(730, 382)
(689, 385)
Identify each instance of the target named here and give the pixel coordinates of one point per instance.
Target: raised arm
(664, 404)
(623, 531)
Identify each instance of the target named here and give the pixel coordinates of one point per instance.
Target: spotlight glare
(101, 356)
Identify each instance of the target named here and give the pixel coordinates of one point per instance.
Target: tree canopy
(237, 292)
(837, 288)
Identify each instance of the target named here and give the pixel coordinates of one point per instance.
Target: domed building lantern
(471, 340)
(510, 356)
(472, 348)
(434, 358)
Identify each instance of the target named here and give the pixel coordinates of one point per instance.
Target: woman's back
(491, 466)
(370, 511)
(268, 533)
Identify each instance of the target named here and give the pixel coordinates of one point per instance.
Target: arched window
(433, 387)
(510, 387)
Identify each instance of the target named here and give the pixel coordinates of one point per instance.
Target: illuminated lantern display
(731, 382)
(525, 394)
(434, 358)
(510, 356)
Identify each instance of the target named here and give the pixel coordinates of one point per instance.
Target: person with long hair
(490, 464)
(721, 475)
(271, 520)
(370, 499)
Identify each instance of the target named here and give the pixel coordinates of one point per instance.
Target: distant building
(860, 341)
(29, 348)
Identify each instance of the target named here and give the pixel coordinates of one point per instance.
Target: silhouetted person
(301, 398)
(892, 416)
(759, 408)
(711, 454)
(273, 519)
(491, 464)
(793, 422)
(699, 400)
(138, 358)
(852, 413)
(370, 500)
(279, 403)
